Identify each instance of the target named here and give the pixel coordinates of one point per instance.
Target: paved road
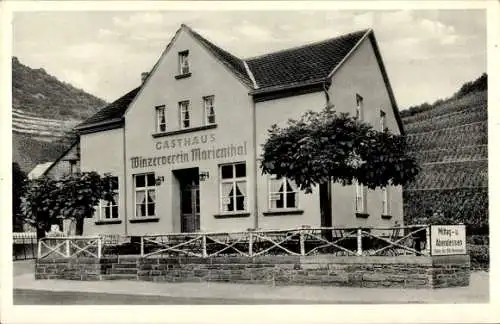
(41, 297)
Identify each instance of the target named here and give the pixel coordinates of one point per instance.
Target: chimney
(144, 76)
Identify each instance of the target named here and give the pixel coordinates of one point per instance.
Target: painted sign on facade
(192, 155)
(448, 239)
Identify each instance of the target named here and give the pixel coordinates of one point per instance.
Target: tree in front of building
(18, 187)
(74, 197)
(326, 146)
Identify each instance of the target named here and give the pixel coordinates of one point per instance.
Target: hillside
(44, 111)
(450, 140)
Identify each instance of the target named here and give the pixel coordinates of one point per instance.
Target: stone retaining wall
(392, 272)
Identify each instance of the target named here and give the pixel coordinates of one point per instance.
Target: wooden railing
(373, 241)
(304, 241)
(70, 246)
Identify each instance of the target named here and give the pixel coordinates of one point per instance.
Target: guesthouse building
(184, 146)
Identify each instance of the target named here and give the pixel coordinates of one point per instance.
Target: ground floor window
(360, 198)
(283, 193)
(145, 194)
(233, 187)
(385, 201)
(108, 209)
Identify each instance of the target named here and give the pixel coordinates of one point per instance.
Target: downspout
(329, 188)
(125, 179)
(255, 191)
(254, 147)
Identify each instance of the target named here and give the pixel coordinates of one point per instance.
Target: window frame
(183, 57)
(385, 201)
(284, 193)
(182, 104)
(101, 215)
(383, 120)
(144, 189)
(157, 115)
(360, 198)
(205, 110)
(359, 107)
(233, 181)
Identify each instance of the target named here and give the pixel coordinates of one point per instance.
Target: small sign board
(448, 239)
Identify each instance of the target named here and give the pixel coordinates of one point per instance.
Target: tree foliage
(74, 197)
(18, 187)
(324, 146)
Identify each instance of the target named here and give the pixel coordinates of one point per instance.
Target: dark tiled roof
(302, 64)
(116, 109)
(235, 64)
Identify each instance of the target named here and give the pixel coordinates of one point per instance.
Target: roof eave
(84, 128)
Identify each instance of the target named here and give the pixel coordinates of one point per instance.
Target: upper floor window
(183, 62)
(359, 107)
(108, 209)
(145, 194)
(209, 104)
(283, 193)
(382, 120)
(161, 121)
(184, 113)
(233, 184)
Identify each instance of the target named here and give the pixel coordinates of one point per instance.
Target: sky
(428, 54)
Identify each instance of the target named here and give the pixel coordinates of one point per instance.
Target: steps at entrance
(125, 269)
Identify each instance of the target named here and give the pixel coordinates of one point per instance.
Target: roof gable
(302, 64)
(235, 65)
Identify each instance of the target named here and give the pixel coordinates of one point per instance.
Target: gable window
(233, 187)
(108, 209)
(360, 198)
(184, 63)
(283, 193)
(359, 107)
(209, 104)
(383, 125)
(161, 121)
(145, 194)
(385, 201)
(184, 113)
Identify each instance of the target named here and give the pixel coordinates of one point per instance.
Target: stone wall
(325, 270)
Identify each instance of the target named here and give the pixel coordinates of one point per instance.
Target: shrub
(479, 256)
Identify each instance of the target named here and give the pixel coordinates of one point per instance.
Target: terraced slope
(450, 141)
(44, 109)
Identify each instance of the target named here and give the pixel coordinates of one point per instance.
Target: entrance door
(190, 208)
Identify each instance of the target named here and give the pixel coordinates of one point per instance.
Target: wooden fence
(305, 241)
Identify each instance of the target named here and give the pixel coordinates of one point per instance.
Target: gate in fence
(24, 245)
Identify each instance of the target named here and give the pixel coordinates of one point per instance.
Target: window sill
(106, 222)
(184, 130)
(362, 215)
(183, 76)
(386, 216)
(145, 219)
(283, 212)
(232, 215)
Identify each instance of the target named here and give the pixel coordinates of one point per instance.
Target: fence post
(204, 245)
(359, 240)
(250, 244)
(67, 248)
(39, 248)
(302, 244)
(142, 246)
(428, 240)
(99, 247)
